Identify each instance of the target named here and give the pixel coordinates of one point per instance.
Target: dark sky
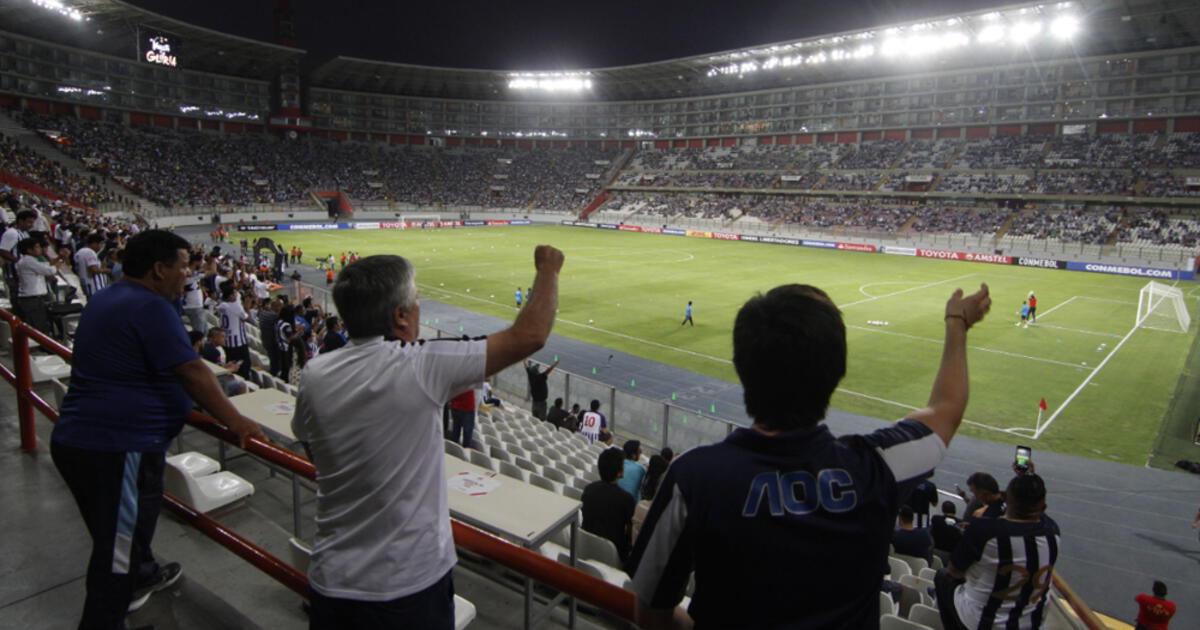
(548, 35)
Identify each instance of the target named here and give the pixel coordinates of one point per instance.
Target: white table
(515, 510)
(273, 410)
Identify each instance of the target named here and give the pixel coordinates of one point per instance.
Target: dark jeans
(240, 353)
(538, 408)
(119, 496)
(35, 311)
(462, 426)
(432, 608)
(944, 585)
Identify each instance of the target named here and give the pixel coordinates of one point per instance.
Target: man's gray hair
(367, 293)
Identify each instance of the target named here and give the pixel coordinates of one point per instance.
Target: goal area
(1163, 307)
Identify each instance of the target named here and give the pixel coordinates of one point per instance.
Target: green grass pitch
(634, 288)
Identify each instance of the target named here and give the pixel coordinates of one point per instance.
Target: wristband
(955, 315)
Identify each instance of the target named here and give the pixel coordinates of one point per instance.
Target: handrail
(1082, 610)
(612, 599)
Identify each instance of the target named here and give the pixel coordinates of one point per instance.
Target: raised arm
(532, 328)
(948, 399)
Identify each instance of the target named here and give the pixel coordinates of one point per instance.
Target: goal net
(1163, 307)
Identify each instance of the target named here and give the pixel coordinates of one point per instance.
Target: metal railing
(608, 598)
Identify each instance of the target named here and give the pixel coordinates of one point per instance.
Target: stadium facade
(1113, 66)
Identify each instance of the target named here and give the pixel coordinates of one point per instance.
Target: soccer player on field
(1032, 307)
(1024, 314)
(687, 315)
(517, 294)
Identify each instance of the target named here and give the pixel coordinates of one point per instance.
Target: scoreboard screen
(159, 48)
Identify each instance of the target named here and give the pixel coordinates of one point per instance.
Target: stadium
(1048, 150)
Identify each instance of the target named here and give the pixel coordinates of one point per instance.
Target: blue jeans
(462, 426)
(432, 608)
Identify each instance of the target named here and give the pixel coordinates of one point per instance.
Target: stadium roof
(110, 27)
(1107, 27)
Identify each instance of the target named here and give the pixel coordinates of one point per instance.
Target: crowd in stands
(188, 168)
(35, 169)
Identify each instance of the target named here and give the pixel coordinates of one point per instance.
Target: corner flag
(1038, 423)
(1042, 405)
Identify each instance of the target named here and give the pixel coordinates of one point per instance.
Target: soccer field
(1106, 389)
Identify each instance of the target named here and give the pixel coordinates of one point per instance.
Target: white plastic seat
(542, 482)
(464, 612)
(553, 474)
(899, 568)
(194, 464)
(525, 464)
(928, 573)
(206, 493)
(510, 470)
(49, 367)
(914, 563)
(571, 492)
(886, 605)
(455, 449)
(539, 459)
(892, 622)
(925, 615)
(598, 548)
(481, 460)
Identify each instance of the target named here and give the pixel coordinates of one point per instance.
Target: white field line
(1084, 384)
(979, 348)
(1097, 299)
(912, 408)
(909, 290)
(863, 288)
(1078, 330)
(1057, 306)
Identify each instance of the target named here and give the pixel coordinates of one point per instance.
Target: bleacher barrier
(608, 598)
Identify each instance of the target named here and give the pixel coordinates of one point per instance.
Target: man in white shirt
(8, 246)
(370, 417)
(193, 296)
(92, 275)
(32, 294)
(233, 319)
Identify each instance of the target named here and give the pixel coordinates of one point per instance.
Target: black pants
(35, 311)
(463, 427)
(285, 364)
(240, 353)
(119, 496)
(430, 609)
(944, 585)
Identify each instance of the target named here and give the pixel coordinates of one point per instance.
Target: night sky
(545, 35)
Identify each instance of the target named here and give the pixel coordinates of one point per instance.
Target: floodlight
(1022, 32)
(892, 47)
(991, 34)
(1064, 26)
(864, 51)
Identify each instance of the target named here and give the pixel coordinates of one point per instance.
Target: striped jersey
(591, 423)
(786, 530)
(1008, 566)
(233, 320)
(85, 259)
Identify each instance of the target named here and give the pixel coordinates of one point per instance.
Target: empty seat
(525, 464)
(499, 454)
(481, 460)
(899, 568)
(194, 464)
(892, 622)
(926, 616)
(914, 563)
(206, 493)
(453, 448)
(464, 612)
(49, 367)
(927, 573)
(542, 482)
(573, 492)
(581, 483)
(539, 459)
(554, 474)
(511, 470)
(886, 605)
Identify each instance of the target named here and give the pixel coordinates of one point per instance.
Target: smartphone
(1021, 459)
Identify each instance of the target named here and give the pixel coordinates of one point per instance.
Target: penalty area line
(1054, 416)
(909, 290)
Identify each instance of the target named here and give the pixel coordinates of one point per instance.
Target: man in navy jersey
(1007, 564)
(782, 523)
(133, 381)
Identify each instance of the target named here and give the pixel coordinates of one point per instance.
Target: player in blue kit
(783, 524)
(517, 294)
(1024, 314)
(687, 315)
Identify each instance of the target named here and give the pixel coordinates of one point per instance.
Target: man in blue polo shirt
(134, 376)
(783, 524)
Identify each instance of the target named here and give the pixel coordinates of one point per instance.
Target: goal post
(1163, 307)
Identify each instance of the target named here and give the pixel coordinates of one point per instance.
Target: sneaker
(167, 575)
